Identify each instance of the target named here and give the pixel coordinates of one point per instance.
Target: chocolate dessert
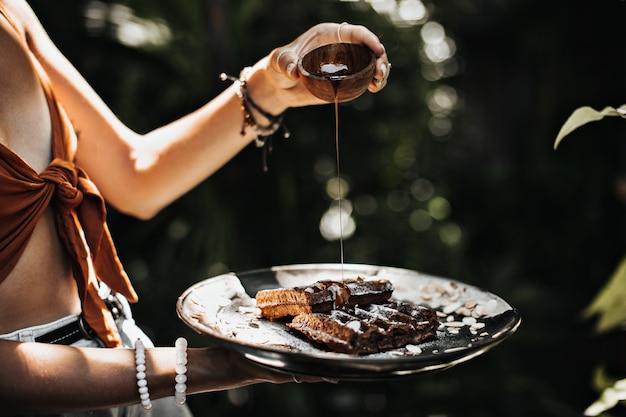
(370, 328)
(322, 296)
(352, 316)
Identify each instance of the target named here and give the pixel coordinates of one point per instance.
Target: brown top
(80, 216)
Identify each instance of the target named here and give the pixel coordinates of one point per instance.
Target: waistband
(68, 330)
(73, 330)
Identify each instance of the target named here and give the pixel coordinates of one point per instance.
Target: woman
(63, 290)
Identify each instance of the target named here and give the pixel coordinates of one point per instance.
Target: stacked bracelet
(263, 133)
(180, 389)
(140, 367)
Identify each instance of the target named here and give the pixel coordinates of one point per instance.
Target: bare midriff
(40, 288)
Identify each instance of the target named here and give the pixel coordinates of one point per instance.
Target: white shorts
(128, 329)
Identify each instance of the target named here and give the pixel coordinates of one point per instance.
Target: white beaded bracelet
(140, 367)
(180, 389)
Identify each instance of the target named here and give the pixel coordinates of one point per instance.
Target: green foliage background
(543, 229)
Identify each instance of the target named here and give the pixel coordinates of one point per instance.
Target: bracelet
(180, 349)
(140, 367)
(263, 133)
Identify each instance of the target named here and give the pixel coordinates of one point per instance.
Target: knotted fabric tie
(79, 204)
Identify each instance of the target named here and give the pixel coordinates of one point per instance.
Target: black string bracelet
(264, 134)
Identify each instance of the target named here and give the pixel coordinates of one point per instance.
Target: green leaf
(609, 398)
(584, 115)
(609, 303)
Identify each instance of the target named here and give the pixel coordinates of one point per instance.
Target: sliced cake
(321, 296)
(369, 328)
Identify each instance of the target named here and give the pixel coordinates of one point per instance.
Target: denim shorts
(129, 332)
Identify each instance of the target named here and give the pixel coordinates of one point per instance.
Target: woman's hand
(282, 78)
(261, 374)
(212, 369)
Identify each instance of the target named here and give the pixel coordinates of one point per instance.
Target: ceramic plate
(472, 321)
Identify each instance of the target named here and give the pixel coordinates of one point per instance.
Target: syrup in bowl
(337, 71)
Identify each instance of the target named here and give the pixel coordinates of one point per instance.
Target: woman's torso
(40, 288)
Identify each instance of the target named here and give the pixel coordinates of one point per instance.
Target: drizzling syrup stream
(331, 70)
(338, 180)
(339, 191)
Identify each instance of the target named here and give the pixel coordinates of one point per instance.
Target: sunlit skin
(139, 174)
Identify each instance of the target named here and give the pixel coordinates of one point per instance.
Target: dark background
(539, 227)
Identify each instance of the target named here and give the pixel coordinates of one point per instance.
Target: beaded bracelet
(263, 133)
(180, 349)
(140, 367)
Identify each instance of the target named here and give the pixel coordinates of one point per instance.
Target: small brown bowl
(340, 71)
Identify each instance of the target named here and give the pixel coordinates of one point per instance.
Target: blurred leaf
(609, 303)
(613, 392)
(584, 115)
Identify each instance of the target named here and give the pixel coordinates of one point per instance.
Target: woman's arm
(41, 377)
(140, 174)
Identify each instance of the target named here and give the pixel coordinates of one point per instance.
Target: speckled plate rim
(445, 352)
